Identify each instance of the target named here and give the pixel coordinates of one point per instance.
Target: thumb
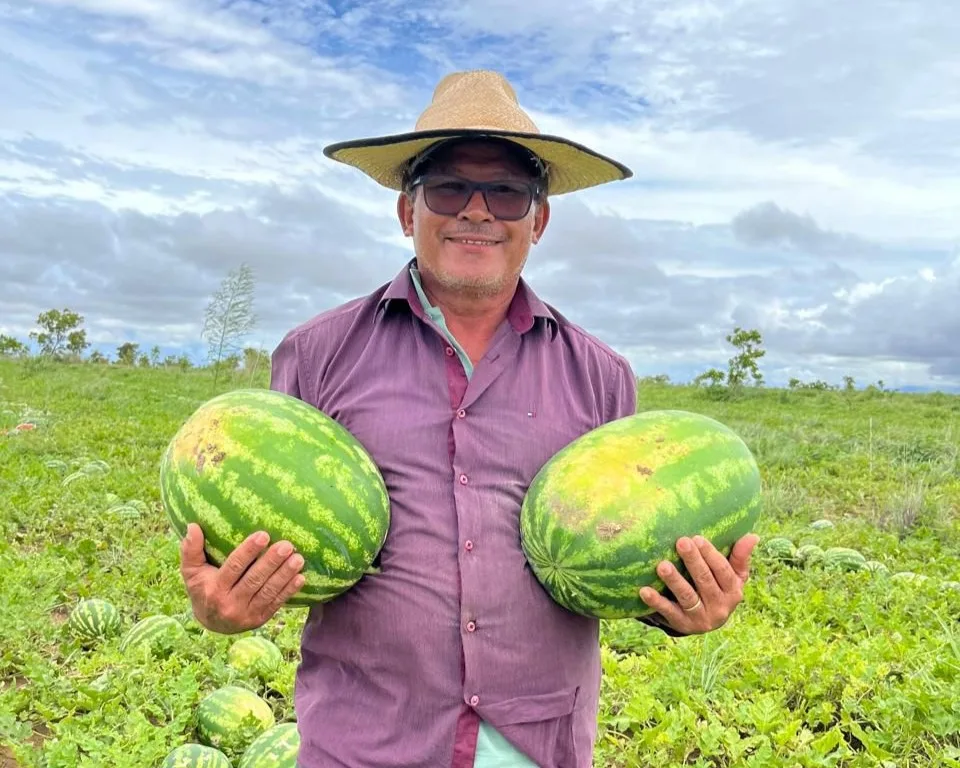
(192, 556)
(740, 556)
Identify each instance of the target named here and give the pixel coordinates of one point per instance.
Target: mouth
(472, 242)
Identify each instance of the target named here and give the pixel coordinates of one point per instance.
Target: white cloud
(789, 174)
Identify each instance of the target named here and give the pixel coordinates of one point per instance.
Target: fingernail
(262, 538)
(664, 569)
(699, 540)
(684, 545)
(285, 549)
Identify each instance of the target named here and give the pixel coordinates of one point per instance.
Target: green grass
(816, 668)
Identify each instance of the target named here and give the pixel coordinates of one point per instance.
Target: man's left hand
(717, 590)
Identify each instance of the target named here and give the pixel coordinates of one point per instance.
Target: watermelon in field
(196, 756)
(276, 748)
(159, 632)
(94, 618)
(844, 559)
(607, 508)
(255, 459)
(231, 717)
(253, 655)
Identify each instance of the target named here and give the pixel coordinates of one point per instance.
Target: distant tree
(98, 357)
(155, 355)
(848, 383)
(143, 360)
(229, 317)
(127, 353)
(744, 364)
(712, 378)
(61, 333)
(11, 347)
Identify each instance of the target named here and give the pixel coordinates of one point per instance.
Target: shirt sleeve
(621, 392)
(284, 367)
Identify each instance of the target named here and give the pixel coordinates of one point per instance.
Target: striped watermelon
(155, 631)
(196, 756)
(276, 748)
(94, 618)
(231, 717)
(779, 548)
(255, 655)
(607, 508)
(255, 459)
(844, 559)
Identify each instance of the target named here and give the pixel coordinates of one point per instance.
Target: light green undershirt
(493, 751)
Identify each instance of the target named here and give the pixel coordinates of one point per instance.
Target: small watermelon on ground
(256, 459)
(255, 655)
(231, 717)
(875, 566)
(606, 509)
(94, 618)
(821, 525)
(909, 576)
(276, 748)
(161, 633)
(779, 548)
(844, 559)
(196, 756)
(809, 555)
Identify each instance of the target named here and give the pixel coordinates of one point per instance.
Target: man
(461, 383)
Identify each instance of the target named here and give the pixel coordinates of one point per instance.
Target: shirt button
(468, 545)
(471, 626)
(461, 414)
(463, 479)
(474, 700)
(449, 351)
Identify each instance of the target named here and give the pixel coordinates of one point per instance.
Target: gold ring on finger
(694, 606)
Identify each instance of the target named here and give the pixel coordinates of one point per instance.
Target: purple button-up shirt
(396, 671)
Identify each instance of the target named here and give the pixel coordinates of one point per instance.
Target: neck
(472, 316)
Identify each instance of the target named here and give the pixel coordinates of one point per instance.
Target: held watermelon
(256, 459)
(607, 508)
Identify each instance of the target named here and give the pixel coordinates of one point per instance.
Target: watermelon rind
(231, 717)
(158, 632)
(94, 618)
(257, 459)
(606, 509)
(255, 655)
(275, 748)
(196, 756)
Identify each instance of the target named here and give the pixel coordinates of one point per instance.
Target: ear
(540, 219)
(405, 213)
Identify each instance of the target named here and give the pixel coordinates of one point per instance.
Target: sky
(796, 168)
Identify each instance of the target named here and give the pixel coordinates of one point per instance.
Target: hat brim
(571, 166)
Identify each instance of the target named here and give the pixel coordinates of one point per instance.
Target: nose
(476, 209)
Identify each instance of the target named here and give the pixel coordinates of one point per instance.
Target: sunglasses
(507, 200)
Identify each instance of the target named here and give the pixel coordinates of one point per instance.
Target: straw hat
(478, 103)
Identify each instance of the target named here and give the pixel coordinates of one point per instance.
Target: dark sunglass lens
(447, 196)
(508, 201)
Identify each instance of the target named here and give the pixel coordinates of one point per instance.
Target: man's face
(463, 267)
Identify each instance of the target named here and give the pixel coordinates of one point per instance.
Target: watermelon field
(845, 651)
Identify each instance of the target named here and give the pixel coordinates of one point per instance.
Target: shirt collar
(524, 308)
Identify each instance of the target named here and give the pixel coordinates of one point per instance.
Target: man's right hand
(239, 596)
